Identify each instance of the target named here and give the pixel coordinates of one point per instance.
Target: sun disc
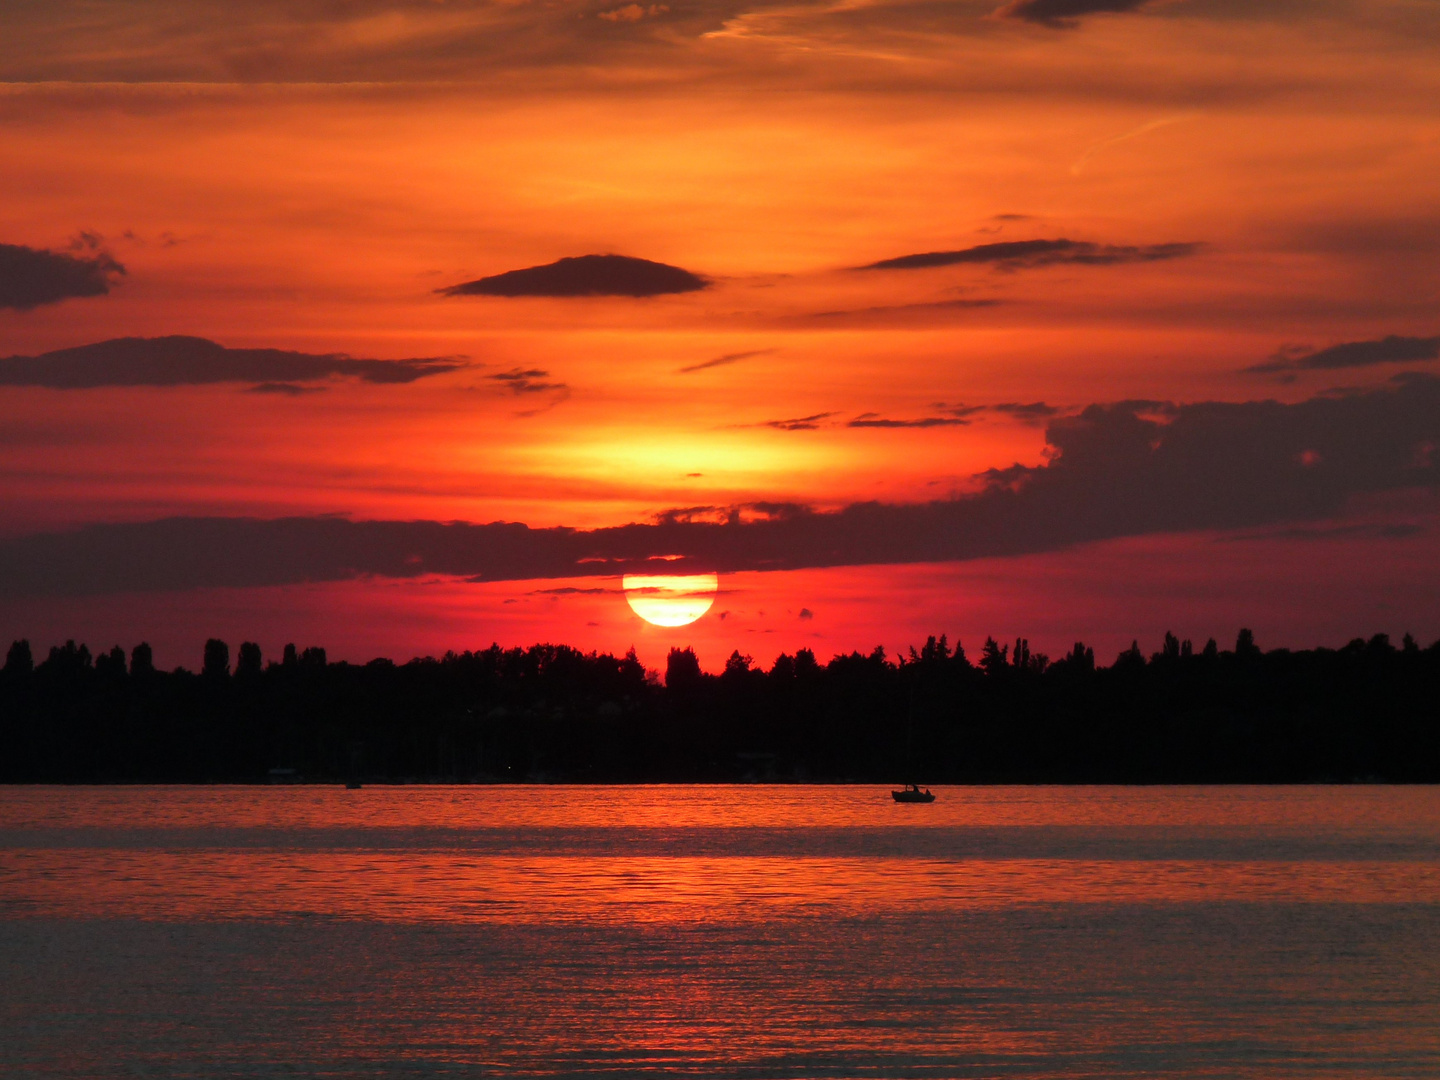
(670, 599)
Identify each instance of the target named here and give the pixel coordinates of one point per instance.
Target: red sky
(1240, 185)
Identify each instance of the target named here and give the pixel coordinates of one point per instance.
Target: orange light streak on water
(457, 887)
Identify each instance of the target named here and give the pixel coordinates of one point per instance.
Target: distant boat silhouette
(913, 794)
(352, 785)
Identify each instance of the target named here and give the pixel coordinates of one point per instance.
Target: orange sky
(305, 176)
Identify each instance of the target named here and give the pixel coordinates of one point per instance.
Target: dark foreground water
(719, 931)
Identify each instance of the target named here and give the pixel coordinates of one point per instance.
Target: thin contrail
(1143, 129)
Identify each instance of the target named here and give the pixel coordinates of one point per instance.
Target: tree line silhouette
(1367, 711)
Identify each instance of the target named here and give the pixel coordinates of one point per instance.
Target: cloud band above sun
(1123, 469)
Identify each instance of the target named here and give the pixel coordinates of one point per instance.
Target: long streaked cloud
(585, 275)
(954, 416)
(725, 360)
(1030, 412)
(1065, 13)
(30, 277)
(179, 360)
(1021, 254)
(1121, 469)
(1391, 349)
(799, 423)
(873, 420)
(526, 381)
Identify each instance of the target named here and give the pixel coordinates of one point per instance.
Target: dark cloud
(527, 381)
(871, 420)
(1035, 411)
(957, 409)
(1400, 530)
(728, 358)
(799, 423)
(1021, 254)
(1123, 469)
(285, 389)
(184, 361)
(30, 277)
(1064, 12)
(585, 275)
(1352, 354)
(690, 514)
(769, 511)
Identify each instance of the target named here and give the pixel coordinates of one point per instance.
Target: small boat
(912, 793)
(352, 785)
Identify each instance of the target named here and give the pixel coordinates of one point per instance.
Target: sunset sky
(1169, 360)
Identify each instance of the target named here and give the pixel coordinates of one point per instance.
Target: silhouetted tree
(682, 668)
(1132, 659)
(18, 661)
(217, 660)
(993, 657)
(247, 661)
(1245, 647)
(958, 657)
(1080, 660)
(1365, 710)
(738, 664)
(68, 661)
(290, 658)
(935, 651)
(1022, 660)
(111, 665)
(631, 668)
(142, 661)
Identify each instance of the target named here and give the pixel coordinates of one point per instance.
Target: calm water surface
(719, 931)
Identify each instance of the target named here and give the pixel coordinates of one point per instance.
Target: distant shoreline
(875, 784)
(1368, 713)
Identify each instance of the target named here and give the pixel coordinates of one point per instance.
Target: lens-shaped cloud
(585, 275)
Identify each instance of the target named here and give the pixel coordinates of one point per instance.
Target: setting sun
(670, 599)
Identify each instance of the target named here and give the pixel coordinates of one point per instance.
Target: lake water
(748, 932)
